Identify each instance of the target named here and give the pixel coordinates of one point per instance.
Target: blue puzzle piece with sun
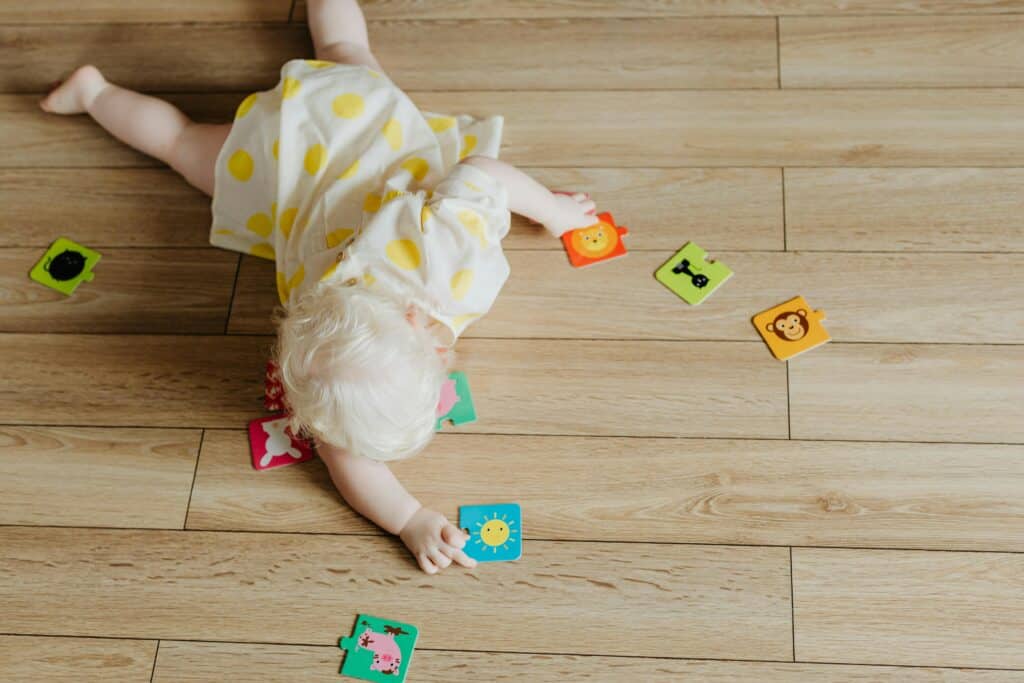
(495, 531)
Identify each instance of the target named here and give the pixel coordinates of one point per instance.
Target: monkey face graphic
(790, 325)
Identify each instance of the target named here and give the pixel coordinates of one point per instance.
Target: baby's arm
(374, 492)
(557, 212)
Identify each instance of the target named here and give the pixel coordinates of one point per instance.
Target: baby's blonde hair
(356, 373)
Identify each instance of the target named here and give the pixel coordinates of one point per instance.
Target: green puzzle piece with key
(690, 276)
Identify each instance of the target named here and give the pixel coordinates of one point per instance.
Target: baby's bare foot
(74, 95)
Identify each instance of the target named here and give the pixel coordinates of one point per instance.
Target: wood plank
(663, 53)
(32, 659)
(133, 380)
(140, 380)
(183, 662)
(96, 477)
(939, 496)
(909, 608)
(150, 11)
(718, 601)
(868, 52)
(103, 208)
(867, 297)
(909, 392)
(133, 290)
(163, 210)
(530, 9)
(947, 127)
(897, 209)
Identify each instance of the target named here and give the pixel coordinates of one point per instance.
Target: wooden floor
(694, 509)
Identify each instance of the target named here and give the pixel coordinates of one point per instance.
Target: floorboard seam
(195, 472)
(792, 603)
(156, 653)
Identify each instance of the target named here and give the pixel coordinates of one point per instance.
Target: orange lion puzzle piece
(791, 328)
(596, 243)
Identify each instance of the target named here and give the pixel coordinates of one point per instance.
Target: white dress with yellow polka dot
(335, 173)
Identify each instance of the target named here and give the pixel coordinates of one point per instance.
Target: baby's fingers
(462, 559)
(426, 564)
(454, 536)
(441, 560)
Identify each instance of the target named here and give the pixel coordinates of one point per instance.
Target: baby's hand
(573, 210)
(434, 541)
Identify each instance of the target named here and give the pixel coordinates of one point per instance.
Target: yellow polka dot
(290, 88)
(245, 106)
(372, 203)
(240, 165)
(461, 282)
(392, 194)
(474, 224)
(224, 231)
(417, 167)
(336, 237)
(404, 254)
(468, 145)
(369, 279)
(319, 63)
(348, 106)
(287, 221)
(461, 321)
(393, 133)
(285, 286)
(276, 148)
(260, 224)
(350, 171)
(263, 250)
(316, 157)
(273, 211)
(471, 186)
(330, 271)
(373, 73)
(425, 215)
(441, 123)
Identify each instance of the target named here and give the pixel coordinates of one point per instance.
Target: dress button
(351, 282)
(340, 257)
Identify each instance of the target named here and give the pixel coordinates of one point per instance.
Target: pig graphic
(387, 657)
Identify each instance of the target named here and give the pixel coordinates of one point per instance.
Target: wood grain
(150, 11)
(910, 608)
(663, 53)
(909, 392)
(720, 601)
(868, 52)
(897, 209)
(866, 297)
(96, 477)
(143, 380)
(133, 290)
(182, 662)
(33, 659)
(101, 208)
(944, 127)
(938, 496)
(132, 380)
(530, 9)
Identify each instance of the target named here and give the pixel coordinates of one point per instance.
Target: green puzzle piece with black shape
(65, 265)
(378, 649)
(690, 276)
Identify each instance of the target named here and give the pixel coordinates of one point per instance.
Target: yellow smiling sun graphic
(495, 533)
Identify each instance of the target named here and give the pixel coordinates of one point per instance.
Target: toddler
(385, 224)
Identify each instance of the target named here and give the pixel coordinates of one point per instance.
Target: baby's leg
(339, 32)
(146, 123)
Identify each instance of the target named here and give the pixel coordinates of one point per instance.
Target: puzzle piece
(65, 265)
(495, 531)
(690, 276)
(791, 328)
(599, 242)
(456, 404)
(378, 649)
(274, 445)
